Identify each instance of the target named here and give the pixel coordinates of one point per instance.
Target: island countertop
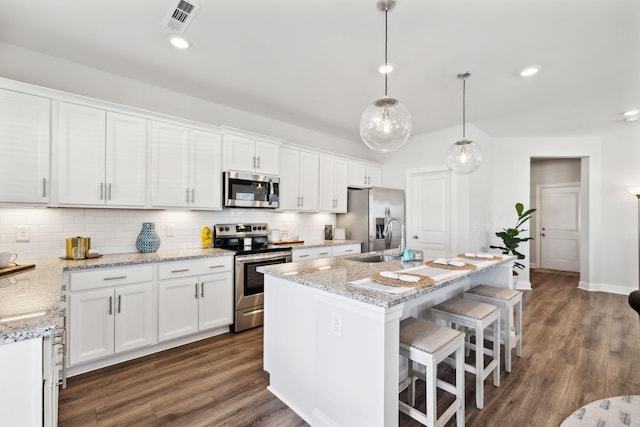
(336, 275)
(30, 300)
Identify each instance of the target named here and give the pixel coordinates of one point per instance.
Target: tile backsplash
(116, 230)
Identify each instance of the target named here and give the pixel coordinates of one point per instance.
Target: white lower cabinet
(340, 250)
(110, 311)
(194, 296)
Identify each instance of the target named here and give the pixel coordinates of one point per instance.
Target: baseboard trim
(604, 287)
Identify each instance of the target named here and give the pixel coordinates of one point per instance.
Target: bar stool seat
(507, 300)
(429, 344)
(477, 316)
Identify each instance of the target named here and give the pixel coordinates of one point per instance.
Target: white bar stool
(475, 315)
(429, 344)
(507, 300)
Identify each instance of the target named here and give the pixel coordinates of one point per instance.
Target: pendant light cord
(464, 106)
(386, 67)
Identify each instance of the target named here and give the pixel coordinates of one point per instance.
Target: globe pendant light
(464, 156)
(386, 124)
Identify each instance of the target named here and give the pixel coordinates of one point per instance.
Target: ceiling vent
(180, 16)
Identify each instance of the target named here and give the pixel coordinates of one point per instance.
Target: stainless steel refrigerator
(368, 209)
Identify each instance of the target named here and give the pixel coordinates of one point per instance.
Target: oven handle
(264, 256)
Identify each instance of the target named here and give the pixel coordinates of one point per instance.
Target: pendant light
(386, 124)
(464, 156)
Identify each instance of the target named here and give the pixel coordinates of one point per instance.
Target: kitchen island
(331, 338)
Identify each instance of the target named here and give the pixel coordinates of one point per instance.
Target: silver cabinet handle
(298, 203)
(102, 191)
(44, 187)
(415, 236)
(216, 266)
(304, 256)
(186, 192)
(193, 195)
(258, 162)
(196, 290)
(109, 192)
(348, 250)
(180, 271)
(115, 278)
(324, 253)
(202, 289)
(301, 200)
(119, 303)
(110, 306)
(254, 162)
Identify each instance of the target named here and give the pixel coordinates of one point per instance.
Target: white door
(177, 308)
(241, 154)
(24, 144)
(169, 165)
(308, 181)
(205, 170)
(429, 213)
(560, 228)
(290, 179)
(267, 158)
(134, 317)
(81, 145)
(126, 160)
(216, 300)
(91, 325)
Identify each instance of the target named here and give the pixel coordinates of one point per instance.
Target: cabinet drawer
(172, 270)
(311, 253)
(339, 250)
(103, 277)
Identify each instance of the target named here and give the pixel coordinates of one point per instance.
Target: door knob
(543, 234)
(415, 236)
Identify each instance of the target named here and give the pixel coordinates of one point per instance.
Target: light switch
(23, 233)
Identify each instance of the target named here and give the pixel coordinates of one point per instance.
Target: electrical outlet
(23, 233)
(169, 232)
(336, 324)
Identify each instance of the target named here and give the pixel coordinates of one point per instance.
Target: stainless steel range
(251, 243)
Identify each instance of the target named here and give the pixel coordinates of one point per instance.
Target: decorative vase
(148, 239)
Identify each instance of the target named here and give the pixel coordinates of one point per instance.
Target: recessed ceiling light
(179, 42)
(631, 113)
(530, 71)
(385, 69)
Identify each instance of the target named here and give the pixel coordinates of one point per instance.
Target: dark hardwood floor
(578, 347)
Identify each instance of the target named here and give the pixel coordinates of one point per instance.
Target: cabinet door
(267, 158)
(340, 181)
(25, 148)
(357, 174)
(374, 174)
(90, 325)
(240, 153)
(80, 138)
(326, 198)
(290, 179)
(205, 170)
(133, 308)
(177, 308)
(308, 182)
(126, 160)
(169, 165)
(216, 300)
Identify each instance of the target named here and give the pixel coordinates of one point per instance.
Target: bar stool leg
(496, 353)
(431, 391)
(519, 329)
(508, 315)
(460, 390)
(479, 367)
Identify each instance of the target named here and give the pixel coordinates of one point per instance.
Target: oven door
(249, 283)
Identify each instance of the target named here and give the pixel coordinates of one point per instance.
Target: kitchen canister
(148, 239)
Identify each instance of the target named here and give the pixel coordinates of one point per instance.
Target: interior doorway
(556, 228)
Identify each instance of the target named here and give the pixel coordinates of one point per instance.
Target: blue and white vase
(148, 239)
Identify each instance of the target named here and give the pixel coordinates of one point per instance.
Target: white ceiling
(314, 63)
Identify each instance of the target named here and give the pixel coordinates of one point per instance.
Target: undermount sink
(374, 258)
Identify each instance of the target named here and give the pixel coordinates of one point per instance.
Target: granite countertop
(37, 292)
(334, 274)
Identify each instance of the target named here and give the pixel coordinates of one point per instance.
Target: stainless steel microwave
(246, 190)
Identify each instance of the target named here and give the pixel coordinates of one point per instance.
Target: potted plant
(511, 236)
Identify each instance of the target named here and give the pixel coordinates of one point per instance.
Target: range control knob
(226, 229)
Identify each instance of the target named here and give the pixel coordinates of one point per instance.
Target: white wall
(116, 230)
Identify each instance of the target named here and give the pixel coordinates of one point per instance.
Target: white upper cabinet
(25, 148)
(333, 185)
(185, 167)
(101, 157)
(364, 175)
(252, 155)
(299, 180)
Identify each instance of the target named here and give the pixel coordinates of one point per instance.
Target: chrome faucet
(386, 230)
